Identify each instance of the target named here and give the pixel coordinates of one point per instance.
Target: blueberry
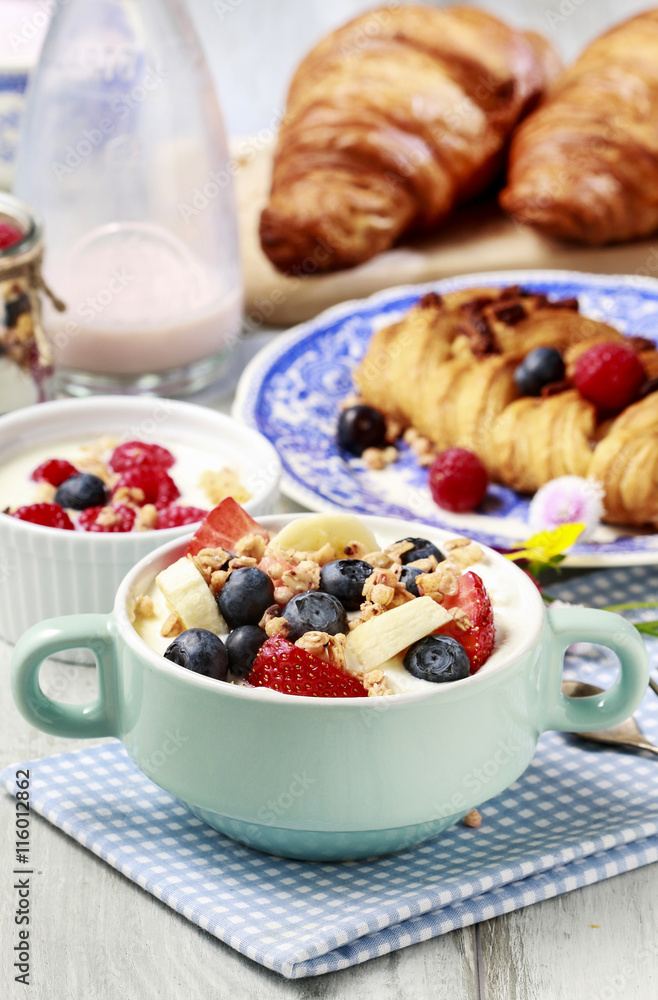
(408, 578)
(539, 368)
(199, 650)
(344, 578)
(361, 427)
(242, 646)
(314, 612)
(422, 549)
(15, 308)
(437, 658)
(245, 597)
(81, 491)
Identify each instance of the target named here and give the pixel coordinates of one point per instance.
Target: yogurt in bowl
(46, 571)
(381, 773)
(325, 608)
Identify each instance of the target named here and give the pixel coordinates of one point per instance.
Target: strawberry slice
(473, 599)
(268, 561)
(287, 668)
(222, 528)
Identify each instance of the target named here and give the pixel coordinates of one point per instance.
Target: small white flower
(566, 500)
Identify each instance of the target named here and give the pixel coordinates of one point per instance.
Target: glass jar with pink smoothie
(123, 153)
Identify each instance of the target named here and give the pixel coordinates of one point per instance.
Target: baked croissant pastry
(392, 121)
(584, 165)
(447, 369)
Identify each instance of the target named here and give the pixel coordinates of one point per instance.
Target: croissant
(584, 165)
(447, 370)
(392, 121)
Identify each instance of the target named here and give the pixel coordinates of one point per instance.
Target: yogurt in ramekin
(201, 479)
(47, 571)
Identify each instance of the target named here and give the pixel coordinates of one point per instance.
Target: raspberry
(157, 486)
(132, 454)
(9, 235)
(458, 480)
(287, 668)
(107, 519)
(55, 471)
(50, 515)
(609, 375)
(174, 517)
(473, 599)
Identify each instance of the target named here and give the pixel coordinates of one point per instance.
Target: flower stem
(631, 606)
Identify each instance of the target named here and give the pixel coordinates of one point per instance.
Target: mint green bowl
(326, 779)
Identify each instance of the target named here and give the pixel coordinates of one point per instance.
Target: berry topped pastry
(509, 386)
(321, 608)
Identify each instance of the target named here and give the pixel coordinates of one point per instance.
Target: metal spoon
(626, 734)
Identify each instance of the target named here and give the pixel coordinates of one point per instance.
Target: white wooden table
(97, 936)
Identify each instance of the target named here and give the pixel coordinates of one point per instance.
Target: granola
(221, 484)
(376, 684)
(146, 518)
(473, 819)
(172, 626)
(329, 648)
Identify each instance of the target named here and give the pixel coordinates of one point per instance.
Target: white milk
(138, 300)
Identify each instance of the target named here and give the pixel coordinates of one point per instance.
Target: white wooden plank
(598, 943)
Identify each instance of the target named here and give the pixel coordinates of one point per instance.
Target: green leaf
(648, 628)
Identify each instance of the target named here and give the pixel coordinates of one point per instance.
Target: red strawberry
(107, 519)
(157, 485)
(223, 527)
(132, 454)
(174, 517)
(287, 668)
(50, 515)
(473, 599)
(55, 471)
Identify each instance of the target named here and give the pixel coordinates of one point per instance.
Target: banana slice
(188, 594)
(379, 639)
(308, 534)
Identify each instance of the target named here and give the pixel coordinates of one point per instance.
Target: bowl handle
(93, 632)
(620, 701)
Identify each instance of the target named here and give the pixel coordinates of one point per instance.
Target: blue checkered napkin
(578, 815)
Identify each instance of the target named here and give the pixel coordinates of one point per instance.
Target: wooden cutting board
(478, 238)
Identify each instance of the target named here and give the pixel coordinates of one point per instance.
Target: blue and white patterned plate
(292, 391)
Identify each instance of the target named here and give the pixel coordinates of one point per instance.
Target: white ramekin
(45, 572)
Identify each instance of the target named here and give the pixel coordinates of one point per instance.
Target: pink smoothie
(139, 300)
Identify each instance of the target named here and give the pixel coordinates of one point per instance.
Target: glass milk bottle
(123, 154)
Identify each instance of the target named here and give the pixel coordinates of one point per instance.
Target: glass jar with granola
(25, 357)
